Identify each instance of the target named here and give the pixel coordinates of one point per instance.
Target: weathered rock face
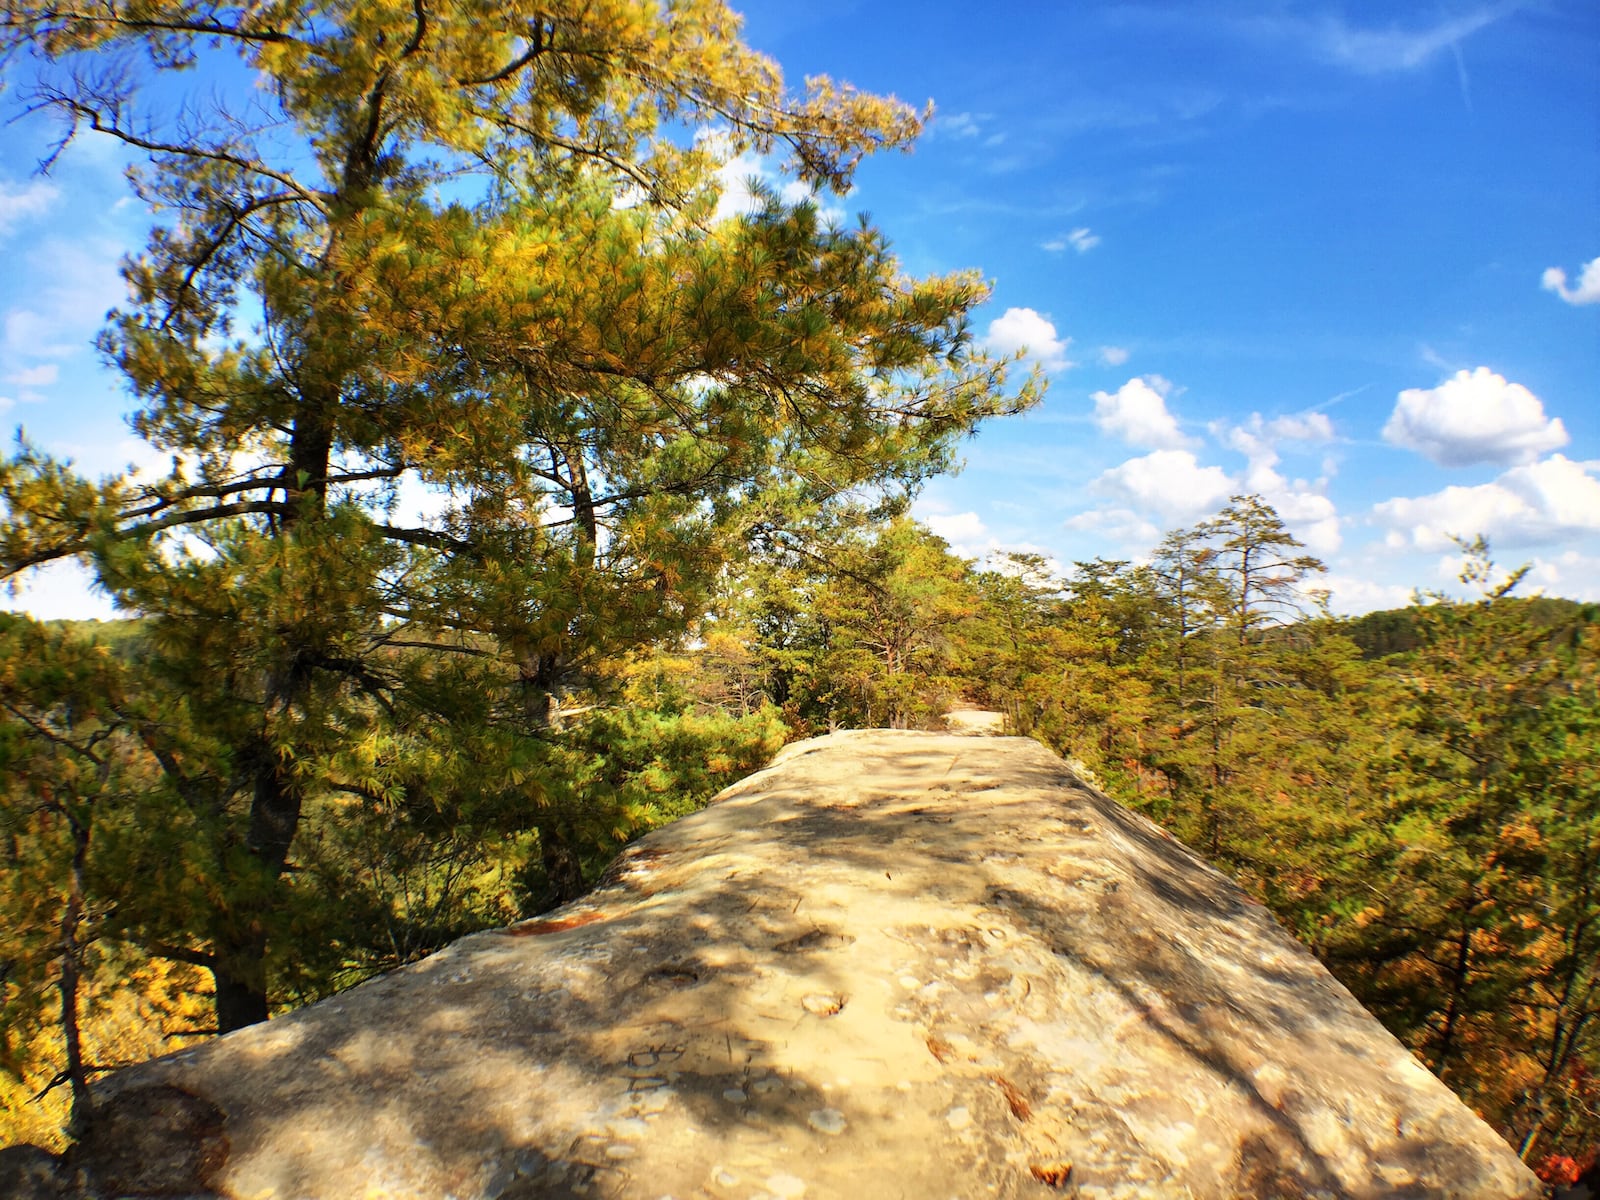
(892, 965)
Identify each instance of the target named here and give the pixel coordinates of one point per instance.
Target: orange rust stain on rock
(1052, 1174)
(536, 928)
(1015, 1100)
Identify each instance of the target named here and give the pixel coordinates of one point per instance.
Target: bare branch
(197, 28)
(237, 215)
(537, 47)
(444, 647)
(102, 123)
(268, 483)
(425, 537)
(193, 516)
(195, 958)
(51, 736)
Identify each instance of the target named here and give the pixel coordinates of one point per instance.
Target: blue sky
(1345, 256)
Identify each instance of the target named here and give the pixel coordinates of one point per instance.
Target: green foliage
(1489, 963)
(857, 631)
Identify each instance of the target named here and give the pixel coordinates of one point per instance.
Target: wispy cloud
(1081, 239)
(1334, 39)
(61, 317)
(956, 125)
(1375, 51)
(18, 203)
(40, 376)
(1389, 49)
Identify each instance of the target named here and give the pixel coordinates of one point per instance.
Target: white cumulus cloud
(740, 175)
(1534, 503)
(1309, 515)
(1354, 594)
(1474, 417)
(1569, 573)
(1306, 510)
(1021, 329)
(1257, 438)
(1117, 525)
(1137, 413)
(1113, 356)
(734, 179)
(1586, 292)
(965, 531)
(1169, 482)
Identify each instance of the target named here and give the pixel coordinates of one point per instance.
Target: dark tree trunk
(241, 998)
(240, 968)
(71, 961)
(561, 866)
(1458, 986)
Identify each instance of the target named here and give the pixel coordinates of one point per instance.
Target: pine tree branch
(195, 958)
(269, 483)
(198, 29)
(101, 122)
(430, 538)
(538, 47)
(51, 736)
(81, 544)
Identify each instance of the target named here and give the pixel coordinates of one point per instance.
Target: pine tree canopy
(466, 387)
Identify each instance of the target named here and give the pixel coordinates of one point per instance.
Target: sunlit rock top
(891, 965)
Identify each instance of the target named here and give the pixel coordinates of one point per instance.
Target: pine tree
(483, 264)
(1481, 945)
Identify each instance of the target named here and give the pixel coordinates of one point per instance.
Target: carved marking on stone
(823, 1004)
(817, 939)
(673, 975)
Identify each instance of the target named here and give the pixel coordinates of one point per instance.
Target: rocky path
(891, 965)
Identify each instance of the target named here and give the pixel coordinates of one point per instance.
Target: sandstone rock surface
(974, 721)
(891, 965)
